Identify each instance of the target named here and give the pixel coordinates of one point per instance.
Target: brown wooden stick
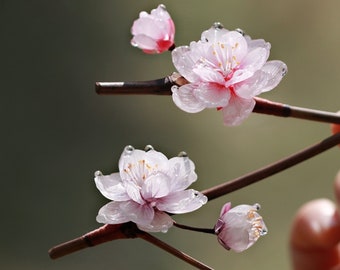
(163, 87)
(271, 169)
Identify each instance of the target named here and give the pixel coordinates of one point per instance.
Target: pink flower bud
(240, 227)
(154, 32)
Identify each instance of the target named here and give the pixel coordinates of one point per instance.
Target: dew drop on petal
(128, 150)
(263, 232)
(240, 31)
(257, 206)
(98, 173)
(183, 154)
(148, 148)
(162, 6)
(218, 25)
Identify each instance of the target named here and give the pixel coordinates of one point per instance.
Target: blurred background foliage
(56, 132)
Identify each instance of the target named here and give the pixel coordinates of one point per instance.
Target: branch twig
(271, 169)
(163, 87)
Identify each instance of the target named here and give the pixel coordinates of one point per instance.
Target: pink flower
(147, 187)
(240, 227)
(225, 70)
(154, 32)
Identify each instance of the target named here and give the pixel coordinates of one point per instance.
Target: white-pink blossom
(225, 70)
(154, 32)
(240, 227)
(147, 187)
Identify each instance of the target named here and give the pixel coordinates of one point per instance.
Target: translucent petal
(213, 34)
(184, 61)
(160, 223)
(147, 26)
(137, 213)
(275, 70)
(182, 173)
(206, 74)
(156, 186)
(138, 165)
(111, 187)
(212, 95)
(111, 214)
(185, 99)
(182, 202)
(133, 191)
(144, 42)
(237, 110)
(263, 80)
(255, 59)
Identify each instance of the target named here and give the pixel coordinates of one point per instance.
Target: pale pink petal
(137, 213)
(255, 59)
(156, 186)
(237, 110)
(214, 33)
(220, 222)
(207, 74)
(184, 61)
(185, 99)
(133, 191)
(144, 42)
(275, 70)
(137, 165)
(182, 173)
(263, 80)
(182, 202)
(212, 95)
(233, 47)
(111, 214)
(226, 207)
(111, 187)
(256, 43)
(239, 75)
(148, 27)
(160, 223)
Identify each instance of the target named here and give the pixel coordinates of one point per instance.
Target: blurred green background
(56, 132)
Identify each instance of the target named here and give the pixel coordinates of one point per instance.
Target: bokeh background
(56, 132)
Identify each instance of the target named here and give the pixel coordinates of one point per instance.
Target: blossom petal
(255, 59)
(185, 99)
(182, 173)
(212, 95)
(144, 42)
(137, 165)
(237, 110)
(111, 187)
(265, 79)
(160, 223)
(133, 191)
(275, 70)
(137, 213)
(182, 202)
(111, 214)
(184, 61)
(213, 34)
(156, 186)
